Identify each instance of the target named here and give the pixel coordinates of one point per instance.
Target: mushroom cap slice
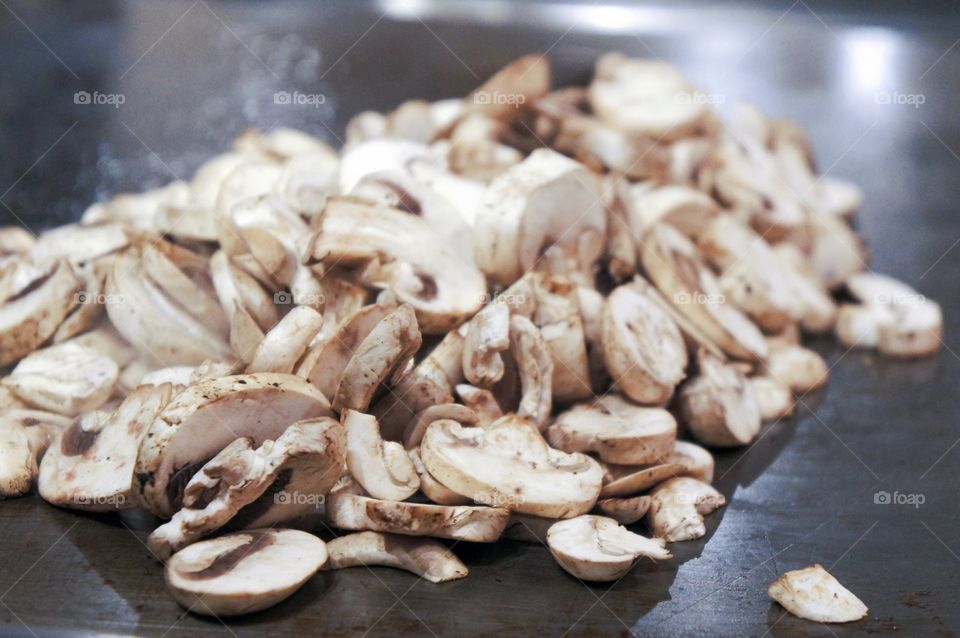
(66, 378)
(424, 557)
(462, 414)
(203, 419)
(686, 209)
(597, 548)
(557, 316)
(647, 97)
(240, 474)
(673, 263)
(91, 465)
(243, 572)
(509, 463)
(718, 406)
(696, 461)
(626, 480)
(32, 315)
(534, 363)
(547, 200)
(481, 401)
(814, 594)
(678, 506)
(774, 398)
(617, 430)
(287, 341)
(381, 467)
(525, 79)
(466, 523)
(798, 368)
(488, 334)
(444, 288)
(625, 511)
(642, 347)
(433, 489)
(24, 437)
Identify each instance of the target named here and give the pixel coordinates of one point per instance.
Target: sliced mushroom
(625, 511)
(241, 473)
(547, 200)
(678, 506)
(433, 489)
(557, 316)
(192, 294)
(235, 288)
(287, 341)
(643, 348)
(597, 548)
(773, 396)
(381, 467)
(838, 252)
(696, 461)
(482, 402)
(510, 464)
(206, 417)
(243, 572)
(66, 378)
(686, 209)
(522, 81)
(674, 264)
(627, 480)
(31, 316)
(488, 334)
(818, 311)
(798, 368)
(424, 557)
(718, 405)
(92, 464)
(24, 437)
(534, 363)
(462, 414)
(465, 523)
(814, 594)
(617, 430)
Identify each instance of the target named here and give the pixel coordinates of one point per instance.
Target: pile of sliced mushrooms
(525, 314)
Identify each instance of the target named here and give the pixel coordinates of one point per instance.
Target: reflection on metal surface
(869, 58)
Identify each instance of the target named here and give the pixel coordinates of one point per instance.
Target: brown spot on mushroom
(76, 440)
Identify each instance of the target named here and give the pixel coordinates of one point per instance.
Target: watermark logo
(699, 298)
(99, 99)
(498, 98)
(112, 500)
(700, 98)
(899, 299)
(508, 501)
(898, 498)
(284, 298)
(297, 98)
(896, 98)
(284, 497)
(509, 299)
(98, 298)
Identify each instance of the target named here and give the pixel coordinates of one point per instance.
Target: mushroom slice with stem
(718, 406)
(674, 264)
(235, 288)
(798, 368)
(24, 437)
(774, 398)
(548, 200)
(557, 316)
(414, 431)
(287, 341)
(424, 557)
(509, 463)
(381, 467)
(617, 430)
(243, 572)
(433, 489)
(696, 461)
(534, 363)
(627, 480)
(240, 474)
(625, 511)
(443, 287)
(814, 594)
(478, 524)
(488, 334)
(30, 316)
(599, 549)
(91, 465)
(642, 346)
(192, 294)
(210, 414)
(482, 402)
(678, 506)
(66, 378)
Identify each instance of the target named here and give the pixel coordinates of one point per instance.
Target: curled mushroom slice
(674, 264)
(240, 474)
(510, 464)
(626, 480)
(814, 594)
(678, 506)
(66, 378)
(442, 287)
(465, 523)
(695, 460)
(625, 511)
(414, 431)
(482, 402)
(798, 368)
(24, 437)
(597, 548)
(547, 200)
(557, 316)
(424, 557)
(642, 346)
(433, 489)
(718, 405)
(647, 97)
(488, 334)
(243, 572)
(686, 209)
(91, 465)
(31, 316)
(206, 417)
(235, 288)
(287, 341)
(617, 430)
(381, 467)
(774, 398)
(194, 294)
(534, 363)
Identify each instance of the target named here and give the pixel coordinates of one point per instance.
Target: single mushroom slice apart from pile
(243, 572)
(381, 467)
(678, 506)
(642, 347)
(424, 557)
(621, 481)
(616, 430)
(814, 594)
(24, 438)
(203, 419)
(241, 473)
(718, 405)
(799, 369)
(510, 464)
(91, 465)
(599, 549)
